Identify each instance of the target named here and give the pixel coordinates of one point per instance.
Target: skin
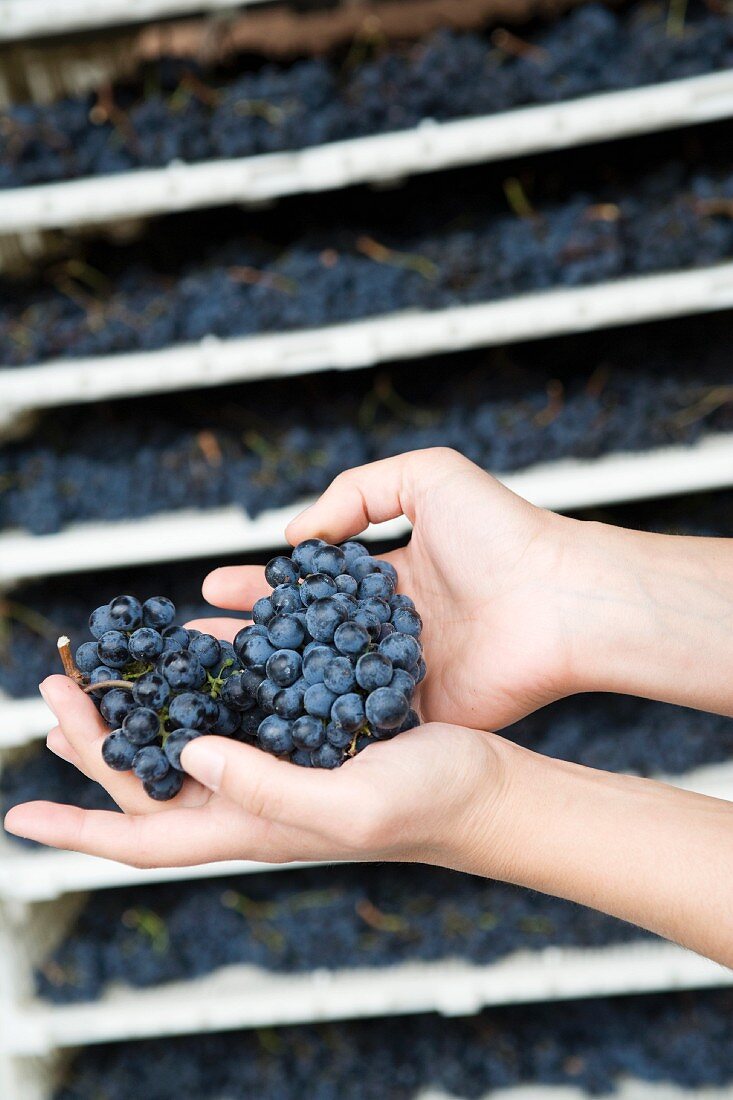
(520, 607)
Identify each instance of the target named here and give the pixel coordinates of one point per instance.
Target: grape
(302, 555)
(376, 584)
(113, 649)
(401, 681)
(323, 617)
(253, 650)
(386, 708)
(388, 570)
(348, 711)
(337, 736)
(87, 657)
(302, 758)
(378, 607)
(163, 790)
(148, 713)
(263, 610)
(158, 612)
(400, 600)
(327, 756)
(338, 676)
(249, 682)
(150, 763)
(189, 711)
(329, 561)
(100, 621)
(351, 638)
(141, 726)
(288, 702)
(308, 732)
(285, 632)
(353, 550)
(145, 644)
(402, 649)
(371, 622)
(266, 693)
(117, 752)
(175, 638)
(346, 584)
(318, 700)
(126, 613)
(151, 690)
(207, 649)
(284, 667)
(281, 571)
(116, 704)
(362, 567)
(237, 694)
(251, 723)
(227, 721)
(175, 744)
(316, 586)
(101, 675)
(348, 604)
(285, 599)
(182, 670)
(275, 735)
(315, 659)
(373, 670)
(407, 621)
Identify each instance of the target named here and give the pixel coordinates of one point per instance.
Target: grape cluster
(594, 1047)
(329, 665)
(317, 100)
(157, 686)
(440, 242)
(332, 657)
(377, 916)
(504, 409)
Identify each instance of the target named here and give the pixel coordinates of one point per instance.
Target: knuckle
(261, 800)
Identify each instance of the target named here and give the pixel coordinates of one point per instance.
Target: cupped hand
(483, 567)
(415, 798)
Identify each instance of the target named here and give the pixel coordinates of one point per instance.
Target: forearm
(640, 850)
(649, 615)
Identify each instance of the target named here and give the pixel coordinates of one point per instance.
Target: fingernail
(300, 515)
(44, 696)
(204, 764)
(52, 744)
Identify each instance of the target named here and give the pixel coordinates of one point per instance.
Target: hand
(410, 799)
(482, 566)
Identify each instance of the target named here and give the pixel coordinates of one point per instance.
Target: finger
(59, 746)
(178, 839)
(372, 494)
(319, 801)
(223, 629)
(235, 587)
(85, 730)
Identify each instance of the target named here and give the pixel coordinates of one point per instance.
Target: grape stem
(64, 647)
(103, 685)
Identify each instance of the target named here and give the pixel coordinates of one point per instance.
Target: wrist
(648, 614)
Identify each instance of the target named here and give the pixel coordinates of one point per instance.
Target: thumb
(268, 788)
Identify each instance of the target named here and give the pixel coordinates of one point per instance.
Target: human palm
(480, 566)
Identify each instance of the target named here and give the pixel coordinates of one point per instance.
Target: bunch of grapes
(157, 686)
(329, 665)
(332, 657)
